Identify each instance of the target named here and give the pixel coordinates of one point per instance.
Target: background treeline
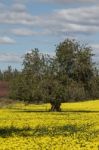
(5, 79)
(68, 76)
(8, 74)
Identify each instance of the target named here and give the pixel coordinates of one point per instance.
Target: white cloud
(57, 1)
(23, 32)
(96, 46)
(95, 49)
(69, 1)
(72, 20)
(17, 14)
(14, 17)
(10, 58)
(28, 32)
(6, 40)
(80, 20)
(18, 7)
(22, 1)
(83, 15)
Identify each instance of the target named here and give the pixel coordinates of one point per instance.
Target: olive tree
(67, 76)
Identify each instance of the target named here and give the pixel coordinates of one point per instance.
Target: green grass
(32, 127)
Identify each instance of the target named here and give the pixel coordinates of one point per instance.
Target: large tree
(68, 76)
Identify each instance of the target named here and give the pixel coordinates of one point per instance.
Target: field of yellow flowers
(32, 127)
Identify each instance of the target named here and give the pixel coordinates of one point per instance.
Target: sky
(42, 24)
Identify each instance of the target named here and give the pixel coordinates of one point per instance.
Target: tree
(8, 74)
(53, 92)
(26, 86)
(75, 62)
(68, 76)
(1, 75)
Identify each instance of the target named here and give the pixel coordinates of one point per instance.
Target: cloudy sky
(27, 24)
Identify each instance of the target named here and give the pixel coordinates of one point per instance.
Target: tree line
(8, 74)
(68, 76)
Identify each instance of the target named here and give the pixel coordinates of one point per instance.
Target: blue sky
(28, 24)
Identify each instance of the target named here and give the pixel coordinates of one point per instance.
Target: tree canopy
(68, 76)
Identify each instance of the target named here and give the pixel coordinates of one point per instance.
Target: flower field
(32, 127)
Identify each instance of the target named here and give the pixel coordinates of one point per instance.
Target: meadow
(33, 127)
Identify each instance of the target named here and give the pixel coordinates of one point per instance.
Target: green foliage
(68, 76)
(1, 75)
(8, 74)
(75, 91)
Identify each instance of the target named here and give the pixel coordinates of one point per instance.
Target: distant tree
(8, 74)
(1, 75)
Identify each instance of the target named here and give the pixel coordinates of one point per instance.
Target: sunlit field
(33, 127)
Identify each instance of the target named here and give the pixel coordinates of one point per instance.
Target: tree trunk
(55, 106)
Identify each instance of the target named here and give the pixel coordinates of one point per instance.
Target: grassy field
(32, 127)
